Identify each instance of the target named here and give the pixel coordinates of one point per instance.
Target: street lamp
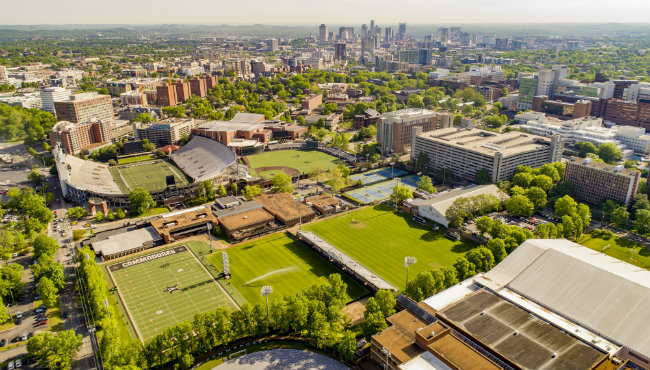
(408, 261)
(266, 291)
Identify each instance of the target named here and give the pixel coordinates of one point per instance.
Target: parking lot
(529, 223)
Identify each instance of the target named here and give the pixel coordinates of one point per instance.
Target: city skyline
(289, 12)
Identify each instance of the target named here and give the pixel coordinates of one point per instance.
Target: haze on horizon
(334, 12)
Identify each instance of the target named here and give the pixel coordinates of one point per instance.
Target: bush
(78, 234)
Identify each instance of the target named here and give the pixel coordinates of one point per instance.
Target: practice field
(622, 249)
(287, 158)
(166, 287)
(151, 175)
(284, 263)
(379, 238)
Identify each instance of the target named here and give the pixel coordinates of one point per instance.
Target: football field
(164, 288)
(151, 175)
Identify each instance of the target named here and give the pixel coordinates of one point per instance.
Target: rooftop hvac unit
(587, 161)
(618, 168)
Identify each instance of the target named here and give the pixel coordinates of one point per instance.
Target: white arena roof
(604, 294)
(88, 175)
(203, 159)
(125, 242)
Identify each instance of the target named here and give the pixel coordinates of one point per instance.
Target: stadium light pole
(266, 291)
(408, 261)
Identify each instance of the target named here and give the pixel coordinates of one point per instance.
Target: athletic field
(277, 260)
(263, 163)
(622, 249)
(379, 238)
(151, 175)
(164, 288)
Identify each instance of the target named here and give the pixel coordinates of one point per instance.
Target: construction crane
(169, 76)
(142, 100)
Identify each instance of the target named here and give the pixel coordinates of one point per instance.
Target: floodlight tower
(408, 261)
(266, 291)
(226, 265)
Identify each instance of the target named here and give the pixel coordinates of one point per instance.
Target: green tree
(56, 352)
(282, 183)
(421, 161)
(519, 205)
(565, 206)
(47, 291)
(426, 184)
(221, 191)
(401, 193)
(640, 202)
(537, 196)
(498, 249)
(522, 179)
(4, 316)
(549, 170)
(141, 201)
(110, 216)
(609, 152)
(147, 145)
(119, 213)
(35, 177)
(568, 226)
(251, 191)
(642, 222)
(543, 182)
(484, 224)
(144, 118)
(374, 321)
(386, 301)
(585, 147)
(481, 258)
(464, 268)
(44, 245)
(620, 217)
(99, 216)
(234, 188)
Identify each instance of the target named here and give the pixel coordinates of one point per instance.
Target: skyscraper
(339, 50)
(372, 25)
(402, 31)
(389, 34)
(322, 33)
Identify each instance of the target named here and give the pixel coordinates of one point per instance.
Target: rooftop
(488, 142)
(203, 159)
(399, 338)
(248, 117)
(243, 219)
(283, 206)
(230, 126)
(587, 162)
(125, 241)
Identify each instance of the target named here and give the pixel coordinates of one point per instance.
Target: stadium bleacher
(203, 159)
(89, 175)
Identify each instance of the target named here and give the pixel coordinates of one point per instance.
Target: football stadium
(199, 160)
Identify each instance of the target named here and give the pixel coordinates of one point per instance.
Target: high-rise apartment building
(166, 95)
(388, 35)
(49, 95)
(527, 90)
(322, 33)
(466, 151)
(183, 91)
(401, 31)
(73, 137)
(339, 50)
(85, 107)
(595, 182)
(394, 128)
(198, 87)
(165, 132)
(501, 43)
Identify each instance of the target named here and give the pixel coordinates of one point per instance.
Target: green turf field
(622, 249)
(277, 260)
(150, 175)
(379, 238)
(287, 158)
(135, 159)
(144, 287)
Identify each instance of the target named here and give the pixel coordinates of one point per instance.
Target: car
(3, 342)
(24, 337)
(19, 321)
(31, 334)
(19, 315)
(19, 364)
(40, 309)
(10, 365)
(17, 339)
(41, 323)
(37, 297)
(64, 315)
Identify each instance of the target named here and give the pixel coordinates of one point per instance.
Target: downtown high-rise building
(322, 33)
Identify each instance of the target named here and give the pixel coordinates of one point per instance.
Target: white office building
(51, 94)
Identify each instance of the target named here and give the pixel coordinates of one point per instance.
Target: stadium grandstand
(204, 159)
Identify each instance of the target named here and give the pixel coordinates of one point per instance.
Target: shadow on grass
(645, 251)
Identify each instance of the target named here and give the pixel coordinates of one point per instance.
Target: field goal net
(237, 354)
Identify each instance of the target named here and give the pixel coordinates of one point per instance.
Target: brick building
(595, 182)
(183, 91)
(198, 87)
(312, 101)
(166, 95)
(628, 112)
(85, 107)
(74, 137)
(394, 128)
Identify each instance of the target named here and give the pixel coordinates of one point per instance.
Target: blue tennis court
(383, 190)
(378, 175)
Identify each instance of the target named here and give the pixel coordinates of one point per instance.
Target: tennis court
(382, 191)
(378, 175)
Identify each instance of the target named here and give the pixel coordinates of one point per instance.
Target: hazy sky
(316, 12)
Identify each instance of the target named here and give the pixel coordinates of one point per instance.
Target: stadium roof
(601, 293)
(203, 159)
(124, 242)
(230, 126)
(88, 175)
(248, 118)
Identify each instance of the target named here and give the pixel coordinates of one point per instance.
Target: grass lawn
(379, 238)
(287, 158)
(136, 159)
(164, 291)
(282, 262)
(54, 320)
(621, 249)
(150, 175)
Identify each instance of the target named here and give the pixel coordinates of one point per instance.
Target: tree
(520, 205)
(642, 222)
(484, 224)
(251, 191)
(421, 161)
(234, 188)
(4, 316)
(481, 258)
(482, 177)
(549, 170)
(147, 145)
(568, 226)
(386, 301)
(35, 177)
(374, 321)
(498, 249)
(337, 180)
(141, 201)
(77, 212)
(47, 291)
(609, 152)
(543, 182)
(110, 216)
(99, 216)
(607, 207)
(46, 267)
(347, 346)
(11, 280)
(522, 179)
(119, 213)
(56, 352)
(517, 190)
(585, 147)
(464, 268)
(565, 206)
(144, 118)
(620, 216)
(537, 196)
(640, 202)
(44, 245)
(401, 193)
(221, 191)
(583, 211)
(426, 184)
(282, 183)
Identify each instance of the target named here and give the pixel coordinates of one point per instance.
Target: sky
(335, 12)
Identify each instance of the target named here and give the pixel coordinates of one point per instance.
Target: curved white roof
(203, 159)
(88, 175)
(604, 294)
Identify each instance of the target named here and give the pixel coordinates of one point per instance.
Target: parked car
(19, 363)
(10, 365)
(40, 309)
(24, 337)
(3, 342)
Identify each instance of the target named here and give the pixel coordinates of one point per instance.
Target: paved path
(282, 359)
